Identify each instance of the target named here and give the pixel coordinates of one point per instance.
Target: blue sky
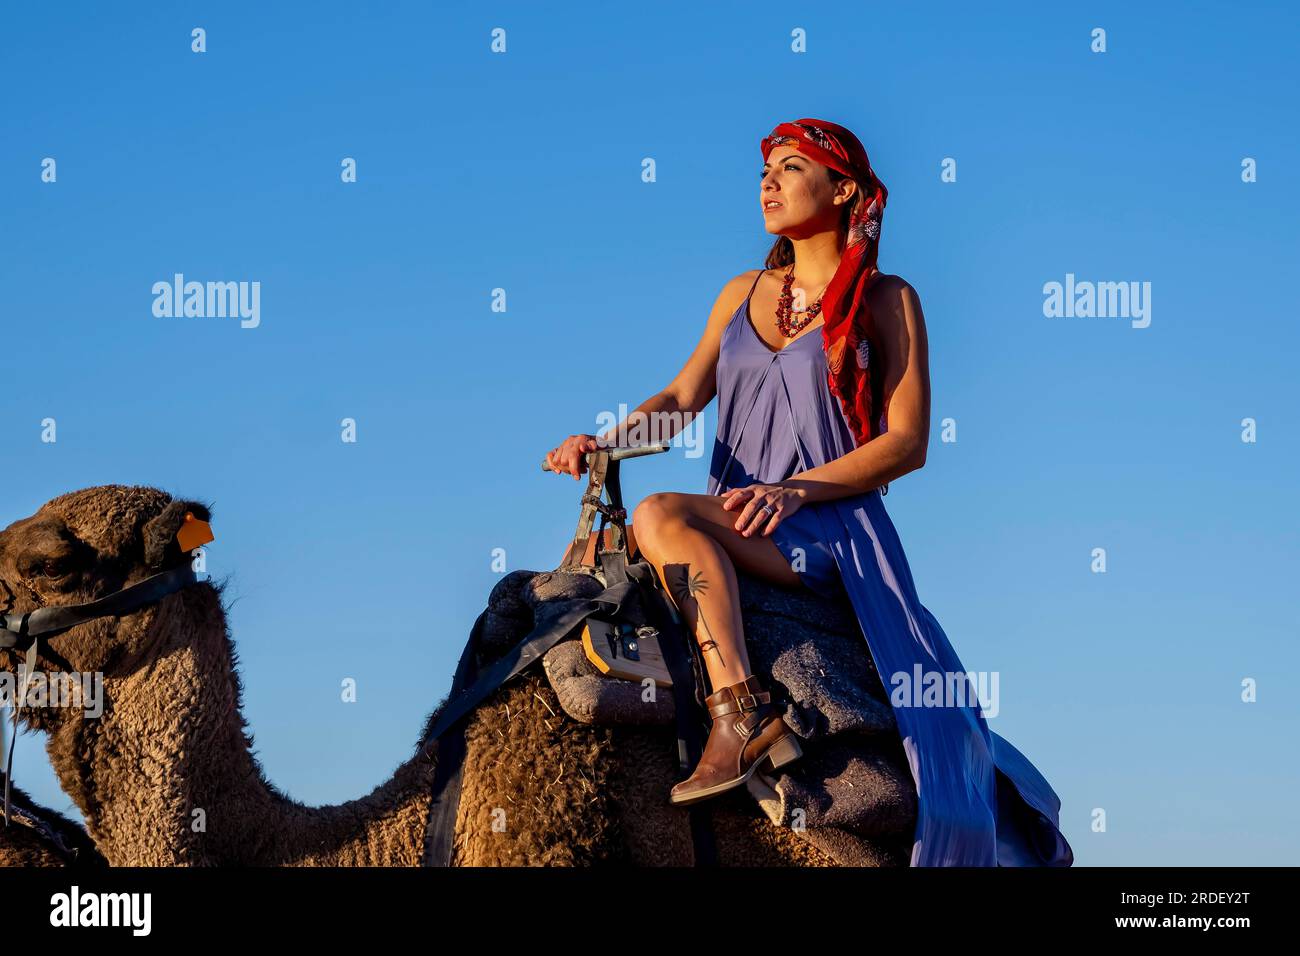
(522, 171)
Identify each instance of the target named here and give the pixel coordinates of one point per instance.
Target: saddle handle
(620, 452)
(603, 479)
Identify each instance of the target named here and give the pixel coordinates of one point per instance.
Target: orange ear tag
(193, 533)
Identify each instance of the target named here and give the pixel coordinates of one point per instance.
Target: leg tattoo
(687, 587)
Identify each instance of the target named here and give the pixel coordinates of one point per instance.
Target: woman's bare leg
(694, 545)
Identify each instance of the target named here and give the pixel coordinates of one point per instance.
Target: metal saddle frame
(636, 606)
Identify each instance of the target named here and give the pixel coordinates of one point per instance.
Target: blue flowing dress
(980, 802)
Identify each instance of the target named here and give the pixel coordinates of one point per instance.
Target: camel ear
(161, 549)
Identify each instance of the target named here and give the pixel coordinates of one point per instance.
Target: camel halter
(31, 631)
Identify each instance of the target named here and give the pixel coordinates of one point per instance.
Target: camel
(166, 776)
(64, 843)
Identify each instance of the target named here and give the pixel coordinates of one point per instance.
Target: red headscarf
(847, 330)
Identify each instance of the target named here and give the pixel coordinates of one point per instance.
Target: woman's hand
(752, 500)
(567, 457)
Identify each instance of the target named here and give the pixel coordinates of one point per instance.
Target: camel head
(170, 749)
(80, 547)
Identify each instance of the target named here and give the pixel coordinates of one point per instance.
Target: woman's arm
(674, 407)
(900, 327)
(696, 384)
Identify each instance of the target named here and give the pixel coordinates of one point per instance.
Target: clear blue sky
(522, 171)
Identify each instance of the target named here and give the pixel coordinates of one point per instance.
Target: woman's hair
(782, 251)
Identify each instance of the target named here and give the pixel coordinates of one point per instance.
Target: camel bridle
(20, 631)
(31, 631)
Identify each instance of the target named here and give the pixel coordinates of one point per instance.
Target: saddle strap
(440, 828)
(609, 604)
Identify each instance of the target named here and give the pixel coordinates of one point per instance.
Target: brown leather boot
(747, 729)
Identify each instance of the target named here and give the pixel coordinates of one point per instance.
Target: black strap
(613, 564)
(440, 828)
(18, 630)
(609, 604)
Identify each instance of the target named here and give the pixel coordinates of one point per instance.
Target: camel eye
(54, 567)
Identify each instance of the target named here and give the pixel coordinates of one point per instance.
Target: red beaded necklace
(790, 327)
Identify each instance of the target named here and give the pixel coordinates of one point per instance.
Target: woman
(820, 366)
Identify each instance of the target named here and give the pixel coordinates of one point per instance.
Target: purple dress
(980, 802)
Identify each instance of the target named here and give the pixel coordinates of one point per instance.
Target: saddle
(629, 630)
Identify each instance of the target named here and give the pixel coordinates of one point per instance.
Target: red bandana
(847, 330)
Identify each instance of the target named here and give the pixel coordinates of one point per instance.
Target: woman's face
(805, 198)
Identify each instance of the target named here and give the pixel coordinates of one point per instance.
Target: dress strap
(755, 285)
